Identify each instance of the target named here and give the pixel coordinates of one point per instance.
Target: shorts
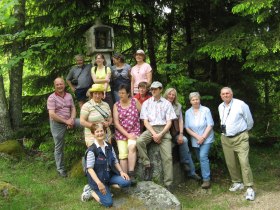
(81, 94)
(123, 147)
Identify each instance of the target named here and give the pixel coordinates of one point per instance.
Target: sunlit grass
(41, 188)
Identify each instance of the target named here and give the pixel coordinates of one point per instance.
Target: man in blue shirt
(236, 120)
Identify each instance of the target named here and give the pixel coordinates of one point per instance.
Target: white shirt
(157, 112)
(236, 116)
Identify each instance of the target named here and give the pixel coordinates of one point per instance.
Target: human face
(156, 92)
(99, 60)
(139, 58)
(226, 95)
(99, 134)
(143, 91)
(80, 61)
(116, 61)
(97, 96)
(59, 86)
(195, 102)
(171, 96)
(123, 94)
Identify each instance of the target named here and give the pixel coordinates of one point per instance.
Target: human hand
(200, 140)
(157, 138)
(124, 175)
(180, 139)
(131, 136)
(70, 122)
(106, 124)
(101, 188)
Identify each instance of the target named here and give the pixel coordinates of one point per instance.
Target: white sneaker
(236, 186)
(86, 188)
(250, 194)
(86, 196)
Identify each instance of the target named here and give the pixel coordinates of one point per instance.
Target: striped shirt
(92, 115)
(91, 156)
(61, 105)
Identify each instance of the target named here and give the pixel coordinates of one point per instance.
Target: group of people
(139, 118)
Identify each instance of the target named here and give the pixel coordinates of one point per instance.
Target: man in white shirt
(157, 113)
(236, 120)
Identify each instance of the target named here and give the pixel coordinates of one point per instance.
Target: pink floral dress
(129, 120)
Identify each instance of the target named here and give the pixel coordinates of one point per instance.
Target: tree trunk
(132, 32)
(5, 123)
(15, 102)
(169, 35)
(151, 47)
(188, 37)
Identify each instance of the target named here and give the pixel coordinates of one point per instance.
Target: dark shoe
(170, 188)
(131, 175)
(148, 173)
(186, 167)
(62, 174)
(195, 177)
(205, 185)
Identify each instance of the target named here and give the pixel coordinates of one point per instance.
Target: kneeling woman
(103, 168)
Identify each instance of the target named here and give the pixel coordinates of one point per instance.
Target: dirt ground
(264, 201)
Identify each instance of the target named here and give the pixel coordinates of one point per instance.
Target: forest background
(192, 45)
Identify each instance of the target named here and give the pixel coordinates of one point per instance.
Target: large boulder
(154, 154)
(154, 196)
(12, 147)
(7, 190)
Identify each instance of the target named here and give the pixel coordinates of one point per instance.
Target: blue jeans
(107, 199)
(116, 96)
(202, 155)
(185, 155)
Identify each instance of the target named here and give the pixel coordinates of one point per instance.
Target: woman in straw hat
(94, 111)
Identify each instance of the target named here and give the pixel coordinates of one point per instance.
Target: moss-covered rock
(77, 170)
(7, 190)
(12, 147)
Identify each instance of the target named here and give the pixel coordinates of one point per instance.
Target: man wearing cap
(236, 120)
(79, 79)
(96, 111)
(141, 72)
(157, 113)
(62, 113)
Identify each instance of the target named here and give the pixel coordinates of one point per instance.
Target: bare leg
(123, 164)
(131, 157)
(95, 196)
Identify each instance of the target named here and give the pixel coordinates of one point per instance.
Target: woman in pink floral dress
(127, 123)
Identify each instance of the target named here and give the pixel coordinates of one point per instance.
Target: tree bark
(132, 32)
(5, 123)
(15, 102)
(169, 35)
(188, 36)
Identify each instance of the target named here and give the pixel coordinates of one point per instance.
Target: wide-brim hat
(97, 88)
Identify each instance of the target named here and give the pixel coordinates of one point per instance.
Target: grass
(41, 188)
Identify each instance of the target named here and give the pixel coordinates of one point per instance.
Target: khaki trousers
(236, 151)
(165, 152)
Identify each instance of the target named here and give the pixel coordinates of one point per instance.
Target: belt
(236, 134)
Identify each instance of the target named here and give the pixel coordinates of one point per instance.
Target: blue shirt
(198, 123)
(236, 116)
